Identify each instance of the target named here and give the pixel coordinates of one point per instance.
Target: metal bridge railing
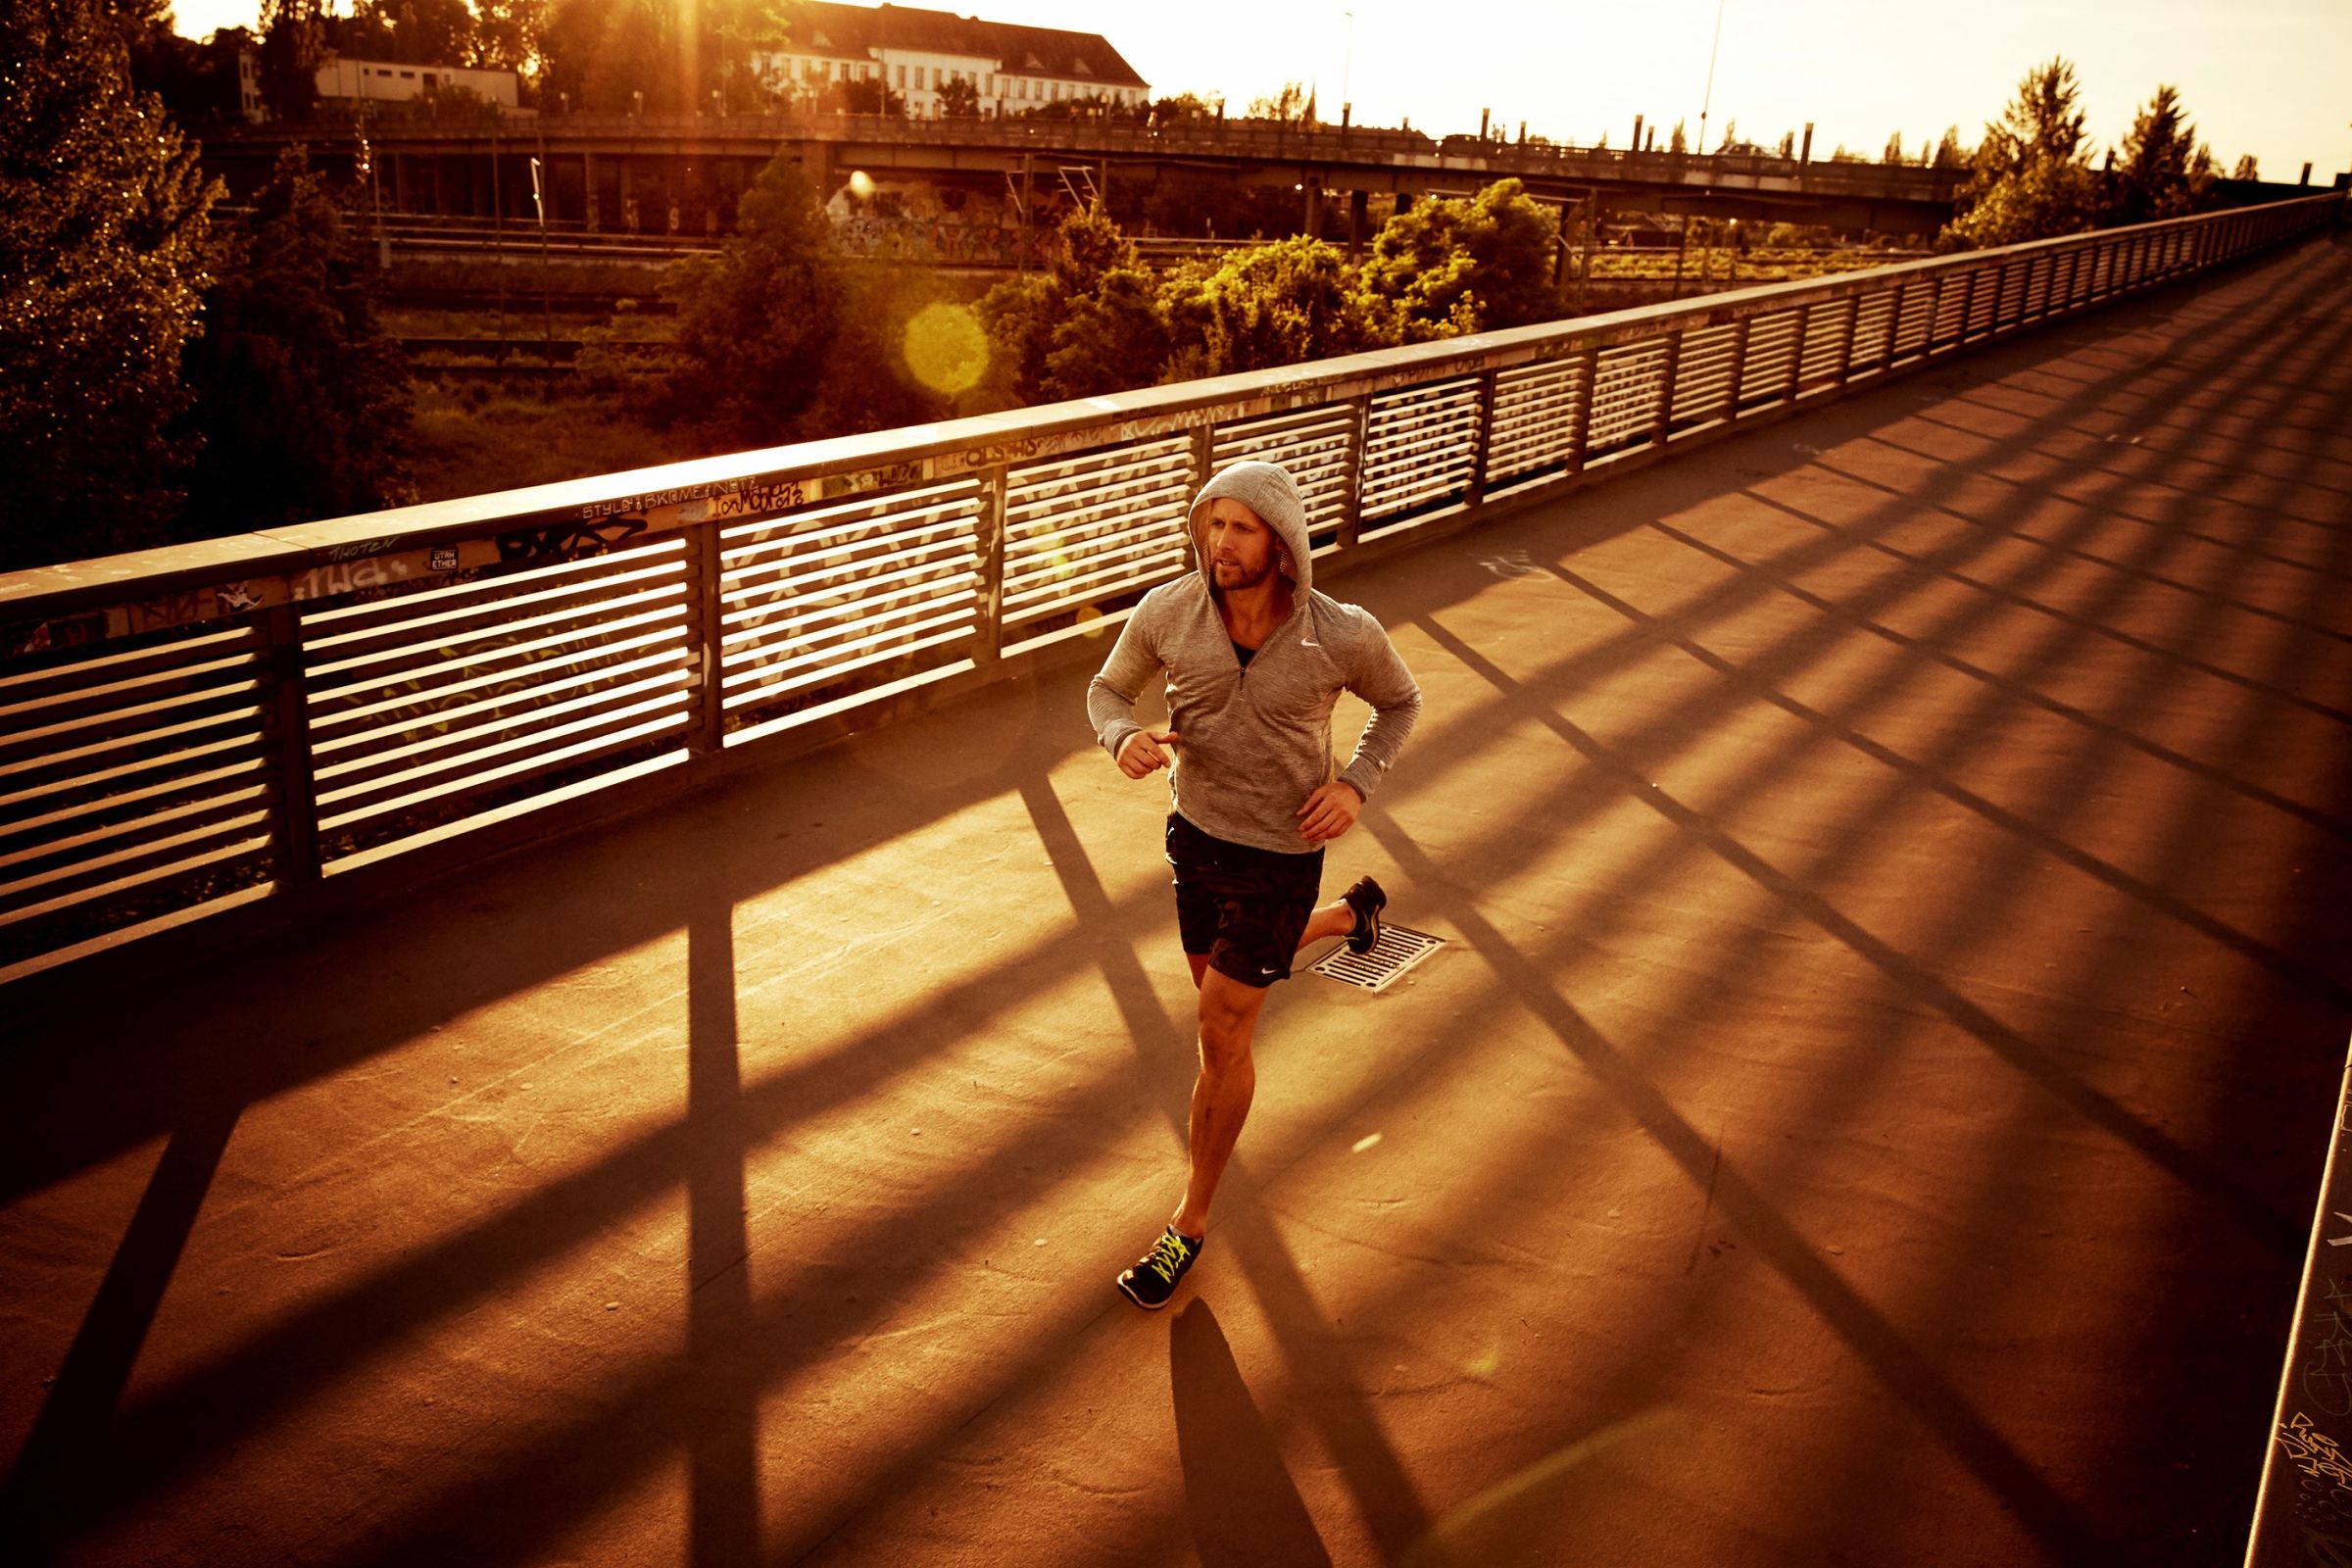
(254, 720)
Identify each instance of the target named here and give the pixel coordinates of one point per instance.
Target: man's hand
(1141, 755)
(1330, 811)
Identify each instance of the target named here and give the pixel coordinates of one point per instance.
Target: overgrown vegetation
(2031, 175)
(106, 250)
(1098, 321)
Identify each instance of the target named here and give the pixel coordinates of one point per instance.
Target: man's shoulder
(1183, 592)
(1343, 619)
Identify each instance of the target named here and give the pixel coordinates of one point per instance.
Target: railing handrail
(40, 592)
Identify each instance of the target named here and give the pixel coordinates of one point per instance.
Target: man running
(1255, 659)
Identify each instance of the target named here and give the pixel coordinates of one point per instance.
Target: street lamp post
(1347, 70)
(1708, 101)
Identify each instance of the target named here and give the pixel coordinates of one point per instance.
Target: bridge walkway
(1894, 871)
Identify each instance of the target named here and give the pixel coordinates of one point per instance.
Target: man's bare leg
(1335, 919)
(1221, 1094)
(1228, 1077)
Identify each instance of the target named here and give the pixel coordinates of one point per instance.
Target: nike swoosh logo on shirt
(1308, 642)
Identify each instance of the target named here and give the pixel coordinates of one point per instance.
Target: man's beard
(1265, 570)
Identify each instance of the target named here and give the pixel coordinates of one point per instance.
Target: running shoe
(1156, 1274)
(1367, 901)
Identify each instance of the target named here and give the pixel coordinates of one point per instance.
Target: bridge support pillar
(588, 187)
(400, 182)
(1357, 203)
(1310, 219)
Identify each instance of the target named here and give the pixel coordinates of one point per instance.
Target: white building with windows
(388, 81)
(915, 53)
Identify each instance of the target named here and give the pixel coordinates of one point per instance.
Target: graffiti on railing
(566, 541)
(2322, 1489)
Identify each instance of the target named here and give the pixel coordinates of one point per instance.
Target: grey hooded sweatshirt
(1253, 743)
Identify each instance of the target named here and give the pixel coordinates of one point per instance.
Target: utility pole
(1028, 234)
(375, 198)
(497, 241)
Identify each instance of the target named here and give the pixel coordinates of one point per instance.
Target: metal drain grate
(1396, 950)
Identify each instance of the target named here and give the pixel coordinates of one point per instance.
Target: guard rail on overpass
(233, 733)
(1349, 158)
(1238, 138)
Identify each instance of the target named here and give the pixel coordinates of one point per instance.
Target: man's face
(1243, 551)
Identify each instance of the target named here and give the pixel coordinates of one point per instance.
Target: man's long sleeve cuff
(1117, 733)
(1362, 774)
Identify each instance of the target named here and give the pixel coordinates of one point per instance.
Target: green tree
(1185, 105)
(2032, 177)
(757, 321)
(864, 95)
(1109, 339)
(104, 229)
(425, 33)
(1679, 142)
(605, 52)
(293, 41)
(196, 82)
(300, 401)
(1949, 153)
(865, 383)
(2247, 168)
(1018, 316)
(506, 34)
(2163, 172)
(1456, 266)
(959, 98)
(1895, 149)
(1021, 315)
(1265, 305)
(1788, 144)
(1294, 105)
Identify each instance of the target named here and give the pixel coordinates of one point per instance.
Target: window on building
(901, 70)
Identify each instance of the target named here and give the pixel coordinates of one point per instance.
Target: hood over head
(1267, 489)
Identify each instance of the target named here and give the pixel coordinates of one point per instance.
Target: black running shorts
(1244, 907)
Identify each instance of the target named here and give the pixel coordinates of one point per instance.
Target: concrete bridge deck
(1895, 868)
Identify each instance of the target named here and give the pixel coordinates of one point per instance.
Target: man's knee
(1226, 1023)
